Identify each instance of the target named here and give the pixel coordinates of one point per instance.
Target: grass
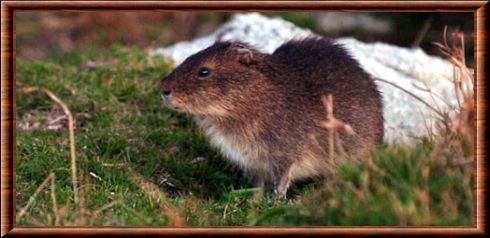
(140, 164)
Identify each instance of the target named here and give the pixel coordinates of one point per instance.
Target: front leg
(282, 180)
(259, 181)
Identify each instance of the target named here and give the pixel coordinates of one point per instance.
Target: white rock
(335, 22)
(406, 118)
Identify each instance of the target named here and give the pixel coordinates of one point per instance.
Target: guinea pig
(265, 111)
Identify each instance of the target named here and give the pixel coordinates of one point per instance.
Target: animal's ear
(245, 54)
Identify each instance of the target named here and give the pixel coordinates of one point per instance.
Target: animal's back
(317, 67)
(315, 57)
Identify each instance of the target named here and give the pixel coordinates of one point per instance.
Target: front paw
(280, 193)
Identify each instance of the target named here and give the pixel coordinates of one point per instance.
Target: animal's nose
(166, 93)
(166, 97)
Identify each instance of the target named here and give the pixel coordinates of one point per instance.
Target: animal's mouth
(169, 102)
(166, 100)
(180, 104)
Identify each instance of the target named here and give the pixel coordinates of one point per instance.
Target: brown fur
(264, 111)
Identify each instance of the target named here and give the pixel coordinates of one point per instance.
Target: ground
(142, 165)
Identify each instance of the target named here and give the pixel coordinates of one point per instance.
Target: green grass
(120, 120)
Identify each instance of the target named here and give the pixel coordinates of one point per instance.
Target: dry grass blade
(118, 165)
(31, 200)
(441, 114)
(333, 124)
(154, 192)
(71, 128)
(135, 213)
(332, 121)
(422, 32)
(328, 103)
(463, 81)
(96, 213)
(433, 95)
(57, 217)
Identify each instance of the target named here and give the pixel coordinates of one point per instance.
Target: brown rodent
(265, 111)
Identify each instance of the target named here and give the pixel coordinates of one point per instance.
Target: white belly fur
(240, 151)
(233, 147)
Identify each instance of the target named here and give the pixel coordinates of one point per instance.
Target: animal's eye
(203, 72)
